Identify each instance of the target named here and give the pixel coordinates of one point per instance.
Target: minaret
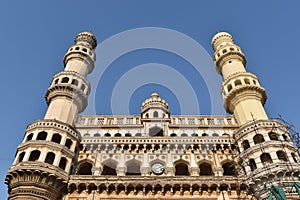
(242, 93)
(267, 154)
(49, 150)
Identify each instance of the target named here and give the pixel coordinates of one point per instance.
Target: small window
(155, 114)
(204, 134)
(107, 135)
(82, 87)
(50, 158)
(294, 157)
(85, 169)
(68, 143)
(194, 135)
(282, 156)
(181, 169)
(21, 157)
(77, 48)
(273, 136)
(224, 51)
(29, 137)
(173, 135)
(118, 135)
(138, 134)
(237, 82)
(184, 135)
(215, 134)
(34, 155)
(258, 138)
(65, 80)
(247, 81)
(56, 138)
(74, 82)
(252, 164)
(56, 81)
(84, 49)
(97, 135)
(42, 135)
(266, 158)
(285, 138)
(229, 88)
(245, 144)
(62, 163)
(127, 134)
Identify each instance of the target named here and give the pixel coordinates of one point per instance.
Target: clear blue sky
(36, 34)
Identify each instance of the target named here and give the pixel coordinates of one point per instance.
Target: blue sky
(36, 34)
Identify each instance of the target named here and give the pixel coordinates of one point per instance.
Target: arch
(34, 155)
(285, 138)
(173, 135)
(68, 143)
(138, 134)
(82, 87)
(258, 138)
(252, 164)
(273, 136)
(247, 81)
(133, 168)
(50, 158)
(155, 114)
(194, 135)
(181, 169)
(29, 137)
(294, 157)
(237, 82)
(228, 168)
(21, 156)
(266, 158)
(204, 134)
(62, 163)
(97, 135)
(184, 134)
(107, 135)
(205, 169)
(56, 138)
(85, 168)
(128, 135)
(155, 131)
(245, 144)
(75, 82)
(65, 80)
(118, 135)
(109, 168)
(215, 134)
(42, 135)
(282, 156)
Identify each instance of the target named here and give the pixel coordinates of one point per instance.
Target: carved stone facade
(154, 155)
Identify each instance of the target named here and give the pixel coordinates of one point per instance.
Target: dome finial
(87, 37)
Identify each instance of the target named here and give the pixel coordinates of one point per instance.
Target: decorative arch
(245, 144)
(206, 168)
(85, 167)
(266, 158)
(133, 167)
(155, 131)
(181, 168)
(228, 168)
(109, 167)
(258, 138)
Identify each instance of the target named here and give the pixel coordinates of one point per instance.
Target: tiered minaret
(49, 150)
(267, 154)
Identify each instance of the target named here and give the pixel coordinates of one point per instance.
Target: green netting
(297, 186)
(277, 192)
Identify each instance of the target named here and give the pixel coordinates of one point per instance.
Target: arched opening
(21, 157)
(50, 158)
(133, 168)
(29, 137)
(155, 131)
(127, 134)
(285, 138)
(68, 143)
(107, 135)
(294, 157)
(138, 134)
(173, 135)
(252, 164)
(82, 87)
(215, 134)
(184, 135)
(155, 114)
(194, 135)
(265, 158)
(97, 135)
(62, 163)
(258, 138)
(34, 155)
(205, 169)
(228, 168)
(109, 168)
(65, 80)
(273, 136)
(282, 156)
(245, 144)
(74, 82)
(118, 135)
(204, 134)
(56, 138)
(42, 135)
(85, 169)
(181, 169)
(237, 82)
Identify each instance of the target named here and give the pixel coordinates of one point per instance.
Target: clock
(157, 168)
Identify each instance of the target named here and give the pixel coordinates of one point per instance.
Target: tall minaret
(49, 151)
(242, 93)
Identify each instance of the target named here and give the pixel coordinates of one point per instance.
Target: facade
(154, 155)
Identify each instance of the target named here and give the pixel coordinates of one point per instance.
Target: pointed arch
(109, 168)
(181, 168)
(205, 167)
(85, 167)
(133, 167)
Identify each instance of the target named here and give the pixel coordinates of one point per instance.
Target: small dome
(220, 37)
(155, 101)
(87, 37)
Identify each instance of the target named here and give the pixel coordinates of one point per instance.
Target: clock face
(157, 168)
